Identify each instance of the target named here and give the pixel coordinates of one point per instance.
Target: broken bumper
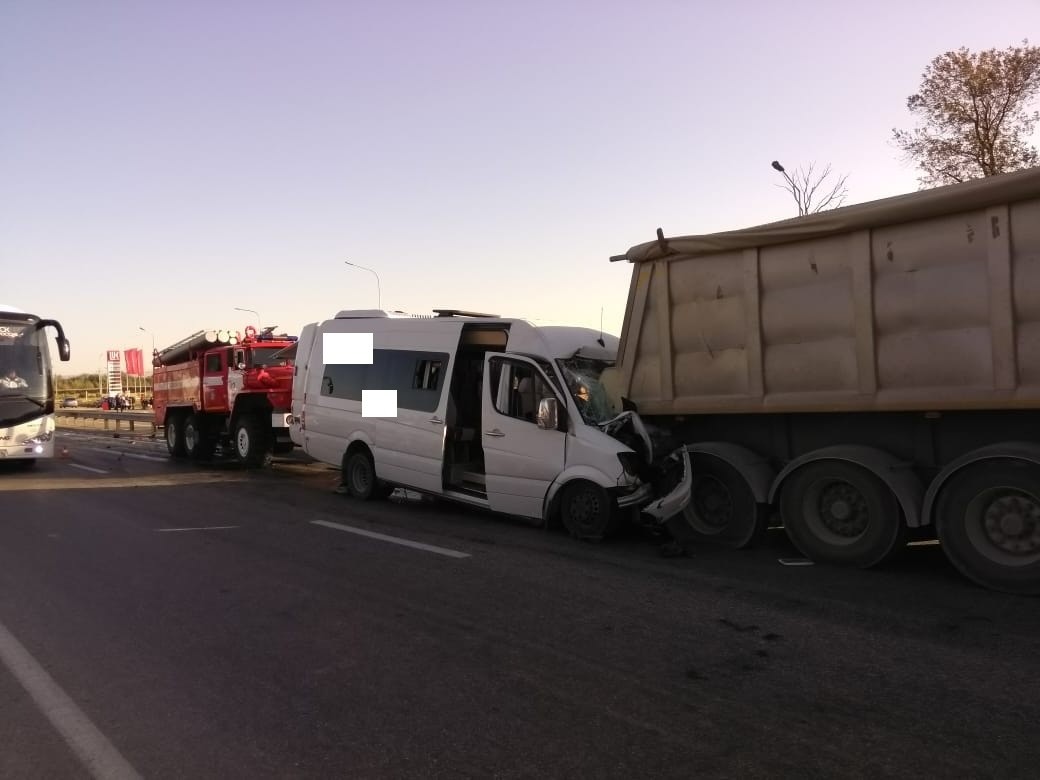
(637, 498)
(673, 503)
(678, 497)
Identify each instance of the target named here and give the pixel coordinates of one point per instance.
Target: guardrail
(112, 420)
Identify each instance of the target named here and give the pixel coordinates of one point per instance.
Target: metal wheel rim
(585, 508)
(710, 511)
(242, 442)
(171, 434)
(361, 478)
(1003, 524)
(190, 437)
(836, 511)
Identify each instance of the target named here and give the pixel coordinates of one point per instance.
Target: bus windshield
(26, 385)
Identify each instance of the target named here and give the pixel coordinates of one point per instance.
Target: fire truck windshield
(264, 357)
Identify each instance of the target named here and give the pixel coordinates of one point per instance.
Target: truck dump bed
(926, 301)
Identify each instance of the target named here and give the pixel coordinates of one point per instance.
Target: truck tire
(988, 519)
(838, 512)
(587, 511)
(175, 435)
(197, 445)
(722, 508)
(250, 441)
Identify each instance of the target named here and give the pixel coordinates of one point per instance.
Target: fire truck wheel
(197, 444)
(175, 435)
(249, 441)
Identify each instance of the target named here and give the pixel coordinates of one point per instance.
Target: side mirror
(64, 350)
(548, 414)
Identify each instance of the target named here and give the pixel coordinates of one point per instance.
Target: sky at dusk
(165, 163)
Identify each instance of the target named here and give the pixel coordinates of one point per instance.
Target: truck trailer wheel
(249, 441)
(988, 520)
(838, 512)
(587, 511)
(722, 508)
(175, 435)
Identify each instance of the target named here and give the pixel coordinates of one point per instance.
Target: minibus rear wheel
(359, 475)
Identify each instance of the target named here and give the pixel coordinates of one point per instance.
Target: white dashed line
(123, 454)
(98, 755)
(203, 528)
(88, 468)
(393, 539)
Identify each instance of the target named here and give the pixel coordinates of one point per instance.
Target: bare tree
(973, 108)
(805, 186)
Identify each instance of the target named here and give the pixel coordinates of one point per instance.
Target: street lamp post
(797, 192)
(150, 334)
(379, 291)
(145, 330)
(259, 326)
(778, 167)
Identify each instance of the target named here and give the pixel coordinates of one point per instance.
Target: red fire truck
(228, 389)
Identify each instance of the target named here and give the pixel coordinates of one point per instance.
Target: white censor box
(354, 349)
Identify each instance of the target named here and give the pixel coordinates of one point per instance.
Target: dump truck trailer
(870, 375)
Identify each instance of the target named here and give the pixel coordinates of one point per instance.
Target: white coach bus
(27, 385)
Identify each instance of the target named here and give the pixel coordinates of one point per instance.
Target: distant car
(69, 402)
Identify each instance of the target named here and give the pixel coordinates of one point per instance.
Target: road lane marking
(392, 539)
(203, 528)
(111, 483)
(122, 454)
(88, 468)
(93, 749)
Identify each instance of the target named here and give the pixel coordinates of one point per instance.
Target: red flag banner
(134, 359)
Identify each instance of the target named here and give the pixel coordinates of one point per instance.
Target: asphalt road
(275, 644)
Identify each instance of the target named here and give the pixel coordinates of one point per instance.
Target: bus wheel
(587, 511)
(838, 512)
(988, 520)
(175, 435)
